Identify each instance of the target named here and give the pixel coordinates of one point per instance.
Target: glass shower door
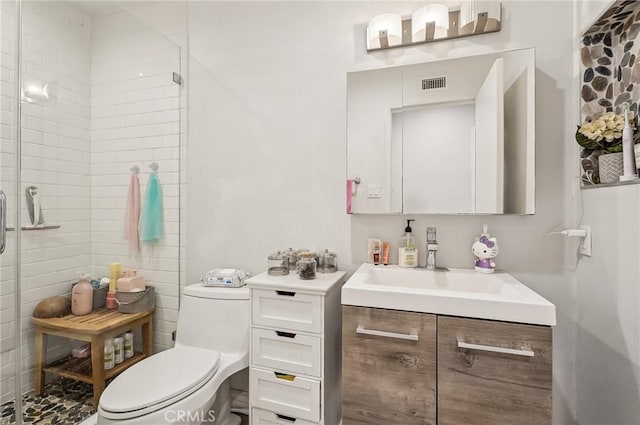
(9, 356)
(99, 99)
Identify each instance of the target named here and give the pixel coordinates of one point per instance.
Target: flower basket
(611, 167)
(601, 140)
(136, 302)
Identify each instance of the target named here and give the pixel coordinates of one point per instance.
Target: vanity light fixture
(478, 16)
(384, 31)
(430, 22)
(434, 22)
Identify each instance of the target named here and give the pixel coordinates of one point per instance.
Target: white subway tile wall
(112, 105)
(135, 121)
(56, 51)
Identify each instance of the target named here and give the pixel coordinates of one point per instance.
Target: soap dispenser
(407, 248)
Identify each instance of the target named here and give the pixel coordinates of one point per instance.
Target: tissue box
(130, 284)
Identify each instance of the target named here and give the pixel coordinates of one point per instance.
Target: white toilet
(187, 384)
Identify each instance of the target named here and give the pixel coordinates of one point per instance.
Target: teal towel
(152, 219)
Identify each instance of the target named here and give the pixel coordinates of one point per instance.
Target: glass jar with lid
(293, 258)
(327, 262)
(278, 264)
(307, 266)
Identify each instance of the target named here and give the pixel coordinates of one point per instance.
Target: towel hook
(154, 166)
(135, 169)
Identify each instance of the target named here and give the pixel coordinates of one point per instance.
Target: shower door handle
(3, 221)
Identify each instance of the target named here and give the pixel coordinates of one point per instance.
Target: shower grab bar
(3, 221)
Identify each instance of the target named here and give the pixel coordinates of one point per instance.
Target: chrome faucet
(432, 248)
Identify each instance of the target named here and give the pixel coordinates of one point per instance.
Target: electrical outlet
(585, 243)
(173, 336)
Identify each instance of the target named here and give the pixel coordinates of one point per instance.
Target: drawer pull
(365, 331)
(285, 376)
(286, 293)
(286, 334)
(525, 353)
(286, 418)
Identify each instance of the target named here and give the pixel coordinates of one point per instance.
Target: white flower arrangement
(603, 133)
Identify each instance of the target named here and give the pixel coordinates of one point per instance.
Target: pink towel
(349, 195)
(132, 215)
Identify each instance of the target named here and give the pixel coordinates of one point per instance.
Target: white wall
(608, 336)
(267, 145)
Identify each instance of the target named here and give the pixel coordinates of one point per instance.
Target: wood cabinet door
(493, 373)
(388, 367)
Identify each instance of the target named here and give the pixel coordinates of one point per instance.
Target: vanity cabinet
(295, 350)
(488, 372)
(493, 372)
(388, 367)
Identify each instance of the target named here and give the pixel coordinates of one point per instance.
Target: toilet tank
(214, 318)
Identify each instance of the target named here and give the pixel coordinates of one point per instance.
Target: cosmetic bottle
(82, 296)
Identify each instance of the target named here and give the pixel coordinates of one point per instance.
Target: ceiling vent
(434, 83)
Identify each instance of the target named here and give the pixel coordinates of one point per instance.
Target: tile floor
(63, 402)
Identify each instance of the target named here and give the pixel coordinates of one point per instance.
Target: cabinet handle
(285, 376)
(525, 353)
(286, 418)
(286, 293)
(363, 330)
(286, 334)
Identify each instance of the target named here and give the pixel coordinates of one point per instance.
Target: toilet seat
(158, 381)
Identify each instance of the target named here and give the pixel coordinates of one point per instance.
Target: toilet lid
(175, 372)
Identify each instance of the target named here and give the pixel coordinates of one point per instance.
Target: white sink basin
(456, 292)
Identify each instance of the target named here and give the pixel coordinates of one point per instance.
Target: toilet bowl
(187, 384)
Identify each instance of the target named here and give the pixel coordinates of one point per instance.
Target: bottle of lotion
(82, 296)
(407, 249)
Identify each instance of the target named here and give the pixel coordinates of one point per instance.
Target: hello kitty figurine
(485, 249)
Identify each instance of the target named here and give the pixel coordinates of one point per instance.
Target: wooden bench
(94, 328)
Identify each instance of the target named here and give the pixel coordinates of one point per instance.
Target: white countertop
(291, 282)
(457, 292)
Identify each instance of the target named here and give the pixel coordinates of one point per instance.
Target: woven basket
(136, 302)
(99, 297)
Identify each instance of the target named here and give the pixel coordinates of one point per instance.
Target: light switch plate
(373, 191)
(585, 243)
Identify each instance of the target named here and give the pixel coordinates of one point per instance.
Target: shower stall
(88, 91)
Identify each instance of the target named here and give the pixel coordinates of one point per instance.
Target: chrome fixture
(433, 22)
(432, 248)
(32, 193)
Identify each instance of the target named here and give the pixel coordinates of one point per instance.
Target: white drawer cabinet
(287, 351)
(286, 309)
(296, 349)
(264, 417)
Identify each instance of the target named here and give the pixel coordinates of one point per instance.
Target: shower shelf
(31, 228)
(80, 369)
